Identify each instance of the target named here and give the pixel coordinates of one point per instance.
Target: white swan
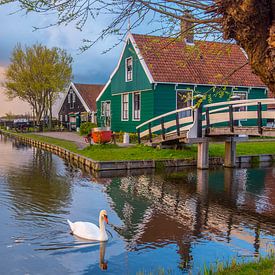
(90, 231)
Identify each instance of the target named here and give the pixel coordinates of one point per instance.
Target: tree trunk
(252, 24)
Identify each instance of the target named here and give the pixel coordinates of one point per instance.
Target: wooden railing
(158, 124)
(232, 114)
(221, 112)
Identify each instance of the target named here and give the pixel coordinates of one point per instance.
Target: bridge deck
(249, 131)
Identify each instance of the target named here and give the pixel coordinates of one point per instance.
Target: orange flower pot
(101, 135)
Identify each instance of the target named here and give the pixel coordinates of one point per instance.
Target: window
(184, 100)
(124, 106)
(136, 106)
(66, 118)
(106, 108)
(71, 99)
(243, 96)
(60, 118)
(129, 69)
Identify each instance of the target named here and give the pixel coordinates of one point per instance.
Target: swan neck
(101, 224)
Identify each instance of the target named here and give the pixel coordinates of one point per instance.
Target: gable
(141, 79)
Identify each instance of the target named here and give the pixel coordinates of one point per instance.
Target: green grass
(111, 152)
(263, 266)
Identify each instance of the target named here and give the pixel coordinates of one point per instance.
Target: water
(176, 221)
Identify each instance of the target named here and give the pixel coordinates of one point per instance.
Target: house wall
(119, 86)
(140, 81)
(66, 109)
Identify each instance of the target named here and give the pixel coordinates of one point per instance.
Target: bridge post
(230, 153)
(150, 132)
(203, 155)
(260, 118)
(199, 115)
(138, 133)
(178, 124)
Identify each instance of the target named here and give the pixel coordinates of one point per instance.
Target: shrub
(86, 127)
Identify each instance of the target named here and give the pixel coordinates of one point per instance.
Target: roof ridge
(177, 39)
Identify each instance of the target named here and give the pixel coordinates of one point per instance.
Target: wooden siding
(140, 81)
(146, 112)
(66, 109)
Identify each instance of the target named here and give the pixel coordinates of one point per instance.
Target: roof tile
(171, 60)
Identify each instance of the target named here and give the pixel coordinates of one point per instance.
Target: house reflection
(180, 208)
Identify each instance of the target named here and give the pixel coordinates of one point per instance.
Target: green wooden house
(156, 75)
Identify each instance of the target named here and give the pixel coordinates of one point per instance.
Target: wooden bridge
(227, 121)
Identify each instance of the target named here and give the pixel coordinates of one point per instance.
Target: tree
(251, 23)
(38, 75)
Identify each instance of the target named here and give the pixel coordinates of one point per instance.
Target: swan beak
(106, 218)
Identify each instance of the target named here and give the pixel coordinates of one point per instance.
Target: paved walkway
(75, 137)
(71, 136)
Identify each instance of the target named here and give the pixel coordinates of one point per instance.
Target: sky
(89, 67)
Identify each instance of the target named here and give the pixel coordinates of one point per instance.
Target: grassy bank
(110, 152)
(263, 266)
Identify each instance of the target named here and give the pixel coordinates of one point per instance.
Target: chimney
(187, 31)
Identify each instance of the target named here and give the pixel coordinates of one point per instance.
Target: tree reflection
(37, 186)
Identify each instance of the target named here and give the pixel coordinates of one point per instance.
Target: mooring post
(230, 153)
(203, 155)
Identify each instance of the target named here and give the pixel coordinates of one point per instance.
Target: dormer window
(129, 69)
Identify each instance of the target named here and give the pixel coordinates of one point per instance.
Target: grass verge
(263, 266)
(111, 152)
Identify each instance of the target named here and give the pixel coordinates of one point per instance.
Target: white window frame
(126, 69)
(133, 107)
(102, 110)
(60, 118)
(71, 99)
(192, 101)
(246, 97)
(122, 107)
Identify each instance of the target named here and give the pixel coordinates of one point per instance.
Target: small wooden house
(156, 75)
(79, 104)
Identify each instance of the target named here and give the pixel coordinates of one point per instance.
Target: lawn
(111, 152)
(263, 266)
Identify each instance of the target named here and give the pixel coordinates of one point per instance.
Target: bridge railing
(232, 113)
(166, 124)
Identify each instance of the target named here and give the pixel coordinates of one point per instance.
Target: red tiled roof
(171, 60)
(89, 93)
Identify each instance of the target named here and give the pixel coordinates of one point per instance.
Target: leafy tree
(251, 23)
(38, 75)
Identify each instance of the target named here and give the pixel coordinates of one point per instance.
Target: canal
(176, 221)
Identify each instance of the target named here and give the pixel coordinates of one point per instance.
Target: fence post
(150, 132)
(162, 128)
(178, 124)
(260, 118)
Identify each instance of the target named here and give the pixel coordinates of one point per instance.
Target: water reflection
(37, 188)
(178, 219)
(186, 207)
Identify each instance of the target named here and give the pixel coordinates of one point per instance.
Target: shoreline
(95, 165)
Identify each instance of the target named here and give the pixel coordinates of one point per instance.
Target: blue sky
(89, 67)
